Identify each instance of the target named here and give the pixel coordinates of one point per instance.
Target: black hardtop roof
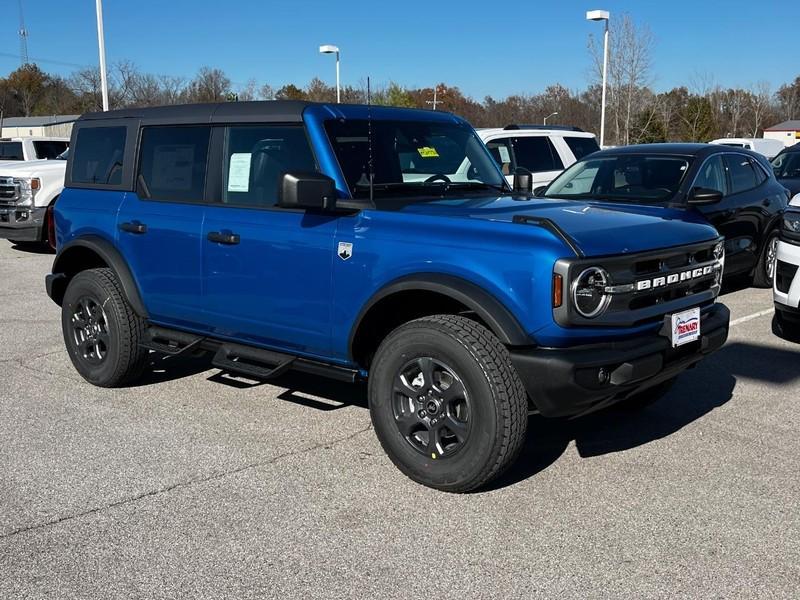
(274, 110)
(290, 111)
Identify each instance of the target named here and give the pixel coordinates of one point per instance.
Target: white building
(52, 126)
(787, 132)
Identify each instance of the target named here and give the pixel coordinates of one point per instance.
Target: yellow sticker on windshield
(428, 152)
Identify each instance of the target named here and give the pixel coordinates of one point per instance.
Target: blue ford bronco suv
(358, 242)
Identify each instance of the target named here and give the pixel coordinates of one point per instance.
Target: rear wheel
(446, 403)
(765, 270)
(101, 330)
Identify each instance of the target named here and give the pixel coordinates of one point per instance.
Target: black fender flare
(110, 255)
(490, 310)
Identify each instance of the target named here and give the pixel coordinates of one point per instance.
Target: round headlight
(588, 292)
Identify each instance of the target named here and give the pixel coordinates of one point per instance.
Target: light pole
(548, 116)
(602, 15)
(330, 49)
(102, 44)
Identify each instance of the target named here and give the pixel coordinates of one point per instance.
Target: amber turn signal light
(558, 290)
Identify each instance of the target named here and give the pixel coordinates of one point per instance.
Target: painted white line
(762, 313)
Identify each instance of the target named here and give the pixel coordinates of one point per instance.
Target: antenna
(23, 37)
(369, 143)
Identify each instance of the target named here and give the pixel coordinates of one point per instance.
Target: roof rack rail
(559, 127)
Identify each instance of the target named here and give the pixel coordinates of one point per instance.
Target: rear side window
(99, 155)
(256, 157)
(742, 173)
(11, 151)
(536, 154)
(49, 149)
(501, 152)
(581, 146)
(172, 162)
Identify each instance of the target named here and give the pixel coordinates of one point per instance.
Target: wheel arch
(88, 252)
(425, 294)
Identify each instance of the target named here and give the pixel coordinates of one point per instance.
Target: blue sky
(484, 47)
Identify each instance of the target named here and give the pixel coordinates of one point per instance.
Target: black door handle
(224, 238)
(133, 227)
(767, 202)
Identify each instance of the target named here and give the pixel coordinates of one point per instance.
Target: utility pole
(102, 44)
(23, 38)
(435, 100)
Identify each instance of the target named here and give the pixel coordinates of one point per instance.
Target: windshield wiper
(478, 185)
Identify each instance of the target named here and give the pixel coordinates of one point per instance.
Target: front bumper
(23, 223)
(786, 285)
(565, 381)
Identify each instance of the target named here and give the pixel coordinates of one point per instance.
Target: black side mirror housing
(703, 196)
(307, 190)
(523, 182)
(539, 191)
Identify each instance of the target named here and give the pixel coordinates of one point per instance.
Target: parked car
(16, 149)
(28, 192)
(359, 242)
(767, 147)
(786, 167)
(543, 151)
(786, 291)
(733, 188)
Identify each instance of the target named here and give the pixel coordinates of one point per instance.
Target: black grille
(784, 274)
(8, 191)
(648, 285)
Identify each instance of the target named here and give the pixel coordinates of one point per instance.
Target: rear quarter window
(98, 155)
(581, 146)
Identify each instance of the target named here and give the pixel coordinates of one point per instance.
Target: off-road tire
(125, 360)
(498, 413)
(784, 328)
(761, 278)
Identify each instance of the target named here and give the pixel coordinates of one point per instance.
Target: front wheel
(101, 330)
(765, 270)
(446, 403)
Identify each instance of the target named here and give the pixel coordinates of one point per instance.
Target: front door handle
(133, 227)
(224, 238)
(767, 201)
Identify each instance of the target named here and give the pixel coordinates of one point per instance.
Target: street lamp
(602, 15)
(330, 49)
(548, 116)
(102, 48)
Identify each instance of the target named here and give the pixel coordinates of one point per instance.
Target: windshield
(786, 165)
(628, 178)
(419, 158)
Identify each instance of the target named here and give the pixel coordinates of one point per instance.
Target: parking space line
(761, 313)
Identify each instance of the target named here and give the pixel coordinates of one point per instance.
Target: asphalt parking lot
(194, 486)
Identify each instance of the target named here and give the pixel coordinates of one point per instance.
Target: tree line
(698, 111)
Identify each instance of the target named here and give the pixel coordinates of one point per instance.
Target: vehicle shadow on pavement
(33, 248)
(696, 393)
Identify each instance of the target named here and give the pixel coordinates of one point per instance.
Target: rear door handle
(224, 238)
(133, 227)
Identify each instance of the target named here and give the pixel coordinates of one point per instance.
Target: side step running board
(252, 362)
(169, 342)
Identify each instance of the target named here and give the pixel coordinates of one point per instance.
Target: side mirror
(539, 191)
(523, 182)
(307, 190)
(702, 196)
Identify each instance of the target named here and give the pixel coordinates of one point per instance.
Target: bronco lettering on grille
(673, 278)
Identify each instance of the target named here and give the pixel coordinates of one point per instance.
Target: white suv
(544, 151)
(786, 283)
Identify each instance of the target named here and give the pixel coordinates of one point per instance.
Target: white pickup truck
(16, 149)
(28, 191)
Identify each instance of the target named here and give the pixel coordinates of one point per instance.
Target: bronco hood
(596, 229)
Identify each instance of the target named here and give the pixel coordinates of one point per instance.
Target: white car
(28, 191)
(17, 149)
(769, 148)
(786, 283)
(544, 151)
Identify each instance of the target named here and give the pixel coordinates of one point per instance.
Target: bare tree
(629, 71)
(760, 104)
(248, 91)
(210, 85)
